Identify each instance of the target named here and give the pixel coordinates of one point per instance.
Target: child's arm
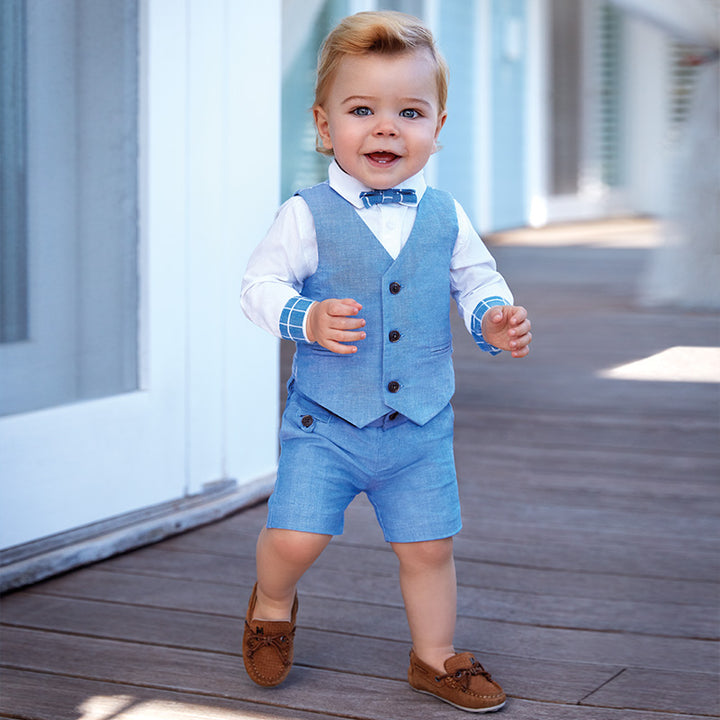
(272, 286)
(483, 297)
(507, 327)
(331, 323)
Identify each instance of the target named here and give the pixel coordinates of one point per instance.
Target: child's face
(381, 117)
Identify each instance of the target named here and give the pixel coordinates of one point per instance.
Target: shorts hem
(423, 537)
(271, 524)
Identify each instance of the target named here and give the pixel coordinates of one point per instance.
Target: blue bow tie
(377, 197)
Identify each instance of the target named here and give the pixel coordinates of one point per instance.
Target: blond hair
(383, 32)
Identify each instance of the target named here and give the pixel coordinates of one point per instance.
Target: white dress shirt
(288, 254)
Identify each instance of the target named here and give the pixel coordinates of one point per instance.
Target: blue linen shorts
(406, 470)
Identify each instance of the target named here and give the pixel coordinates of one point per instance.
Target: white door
(87, 431)
(127, 375)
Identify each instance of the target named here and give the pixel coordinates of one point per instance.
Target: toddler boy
(359, 272)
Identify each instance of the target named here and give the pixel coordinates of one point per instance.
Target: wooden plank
(619, 463)
(137, 669)
(533, 484)
(552, 610)
(659, 529)
(696, 694)
(216, 675)
(110, 620)
(600, 586)
(663, 530)
(233, 543)
(567, 379)
(64, 698)
(209, 567)
(68, 698)
(476, 592)
(658, 619)
(500, 546)
(653, 618)
(549, 680)
(552, 546)
(581, 646)
(385, 618)
(200, 566)
(594, 554)
(580, 392)
(477, 427)
(571, 429)
(160, 666)
(221, 634)
(588, 489)
(545, 523)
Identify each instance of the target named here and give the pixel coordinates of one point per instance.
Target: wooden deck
(588, 566)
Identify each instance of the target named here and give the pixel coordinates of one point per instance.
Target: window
(565, 81)
(13, 236)
(610, 108)
(586, 90)
(305, 26)
(69, 205)
(682, 81)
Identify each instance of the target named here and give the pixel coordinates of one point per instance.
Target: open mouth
(382, 158)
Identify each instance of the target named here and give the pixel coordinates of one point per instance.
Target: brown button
(393, 336)
(393, 386)
(395, 288)
(393, 416)
(307, 421)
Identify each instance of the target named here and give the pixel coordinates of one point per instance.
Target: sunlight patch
(676, 364)
(124, 707)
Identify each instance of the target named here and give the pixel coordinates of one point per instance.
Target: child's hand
(508, 327)
(331, 324)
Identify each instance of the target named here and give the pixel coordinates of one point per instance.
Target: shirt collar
(350, 188)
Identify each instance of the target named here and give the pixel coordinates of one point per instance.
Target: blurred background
(145, 147)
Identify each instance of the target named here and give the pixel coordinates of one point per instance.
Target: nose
(385, 126)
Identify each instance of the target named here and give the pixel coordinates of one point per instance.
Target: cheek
(343, 139)
(424, 143)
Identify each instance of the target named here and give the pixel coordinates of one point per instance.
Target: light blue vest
(405, 362)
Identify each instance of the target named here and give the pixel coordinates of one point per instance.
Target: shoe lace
(258, 639)
(465, 675)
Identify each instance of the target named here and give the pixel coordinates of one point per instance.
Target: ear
(323, 126)
(440, 122)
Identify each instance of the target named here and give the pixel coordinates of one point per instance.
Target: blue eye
(409, 113)
(362, 111)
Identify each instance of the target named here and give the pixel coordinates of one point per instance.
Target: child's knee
(294, 547)
(432, 553)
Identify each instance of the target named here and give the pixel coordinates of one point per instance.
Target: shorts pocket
(306, 414)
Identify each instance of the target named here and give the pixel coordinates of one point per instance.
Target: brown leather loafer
(465, 684)
(268, 646)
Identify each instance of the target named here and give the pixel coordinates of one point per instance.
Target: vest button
(393, 336)
(307, 421)
(393, 386)
(395, 288)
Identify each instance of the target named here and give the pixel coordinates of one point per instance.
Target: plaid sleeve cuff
(292, 319)
(476, 328)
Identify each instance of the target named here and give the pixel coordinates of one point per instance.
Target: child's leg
(428, 584)
(283, 556)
